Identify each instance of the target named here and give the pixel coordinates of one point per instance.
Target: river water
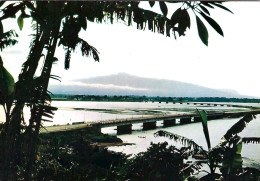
(83, 111)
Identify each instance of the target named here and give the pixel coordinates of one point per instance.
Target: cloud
(102, 86)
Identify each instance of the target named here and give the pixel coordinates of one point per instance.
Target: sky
(229, 62)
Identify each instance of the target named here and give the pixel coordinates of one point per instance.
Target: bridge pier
(169, 122)
(149, 125)
(124, 129)
(185, 120)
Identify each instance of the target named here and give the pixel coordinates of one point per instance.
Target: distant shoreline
(132, 98)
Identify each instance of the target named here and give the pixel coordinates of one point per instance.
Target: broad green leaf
(232, 161)
(239, 146)
(204, 118)
(151, 3)
(202, 30)
(213, 23)
(237, 161)
(163, 8)
(20, 22)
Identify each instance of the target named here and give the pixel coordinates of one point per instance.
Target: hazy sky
(232, 62)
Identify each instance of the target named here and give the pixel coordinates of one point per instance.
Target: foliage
(162, 162)
(183, 140)
(69, 156)
(57, 23)
(227, 154)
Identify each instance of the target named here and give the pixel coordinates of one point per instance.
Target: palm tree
(226, 155)
(58, 24)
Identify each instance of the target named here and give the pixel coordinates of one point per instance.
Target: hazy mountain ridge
(125, 84)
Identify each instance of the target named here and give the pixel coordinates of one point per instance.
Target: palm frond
(88, 50)
(67, 59)
(251, 140)
(239, 126)
(55, 77)
(183, 140)
(7, 39)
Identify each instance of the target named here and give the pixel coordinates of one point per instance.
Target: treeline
(132, 98)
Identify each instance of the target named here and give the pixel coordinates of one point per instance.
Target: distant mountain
(125, 84)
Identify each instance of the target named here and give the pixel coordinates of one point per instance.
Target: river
(82, 111)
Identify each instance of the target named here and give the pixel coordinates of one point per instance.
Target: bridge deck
(119, 122)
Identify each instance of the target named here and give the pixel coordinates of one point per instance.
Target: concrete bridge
(124, 126)
(202, 104)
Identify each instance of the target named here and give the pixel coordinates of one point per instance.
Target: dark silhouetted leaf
(182, 18)
(164, 8)
(1, 3)
(151, 3)
(6, 86)
(184, 21)
(202, 30)
(83, 23)
(204, 9)
(183, 140)
(176, 17)
(223, 7)
(239, 126)
(174, 1)
(207, 4)
(20, 22)
(10, 11)
(29, 5)
(1, 28)
(213, 23)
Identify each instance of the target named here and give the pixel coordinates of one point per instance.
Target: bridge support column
(169, 122)
(197, 119)
(149, 125)
(185, 120)
(124, 129)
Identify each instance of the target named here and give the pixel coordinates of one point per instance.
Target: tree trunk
(11, 135)
(38, 110)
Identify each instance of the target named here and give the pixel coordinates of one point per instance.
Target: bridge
(124, 126)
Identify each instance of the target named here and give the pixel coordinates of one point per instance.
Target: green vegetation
(132, 98)
(226, 156)
(70, 156)
(27, 155)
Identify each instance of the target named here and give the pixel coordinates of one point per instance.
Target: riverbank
(89, 134)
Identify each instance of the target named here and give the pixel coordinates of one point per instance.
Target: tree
(58, 24)
(160, 162)
(226, 155)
